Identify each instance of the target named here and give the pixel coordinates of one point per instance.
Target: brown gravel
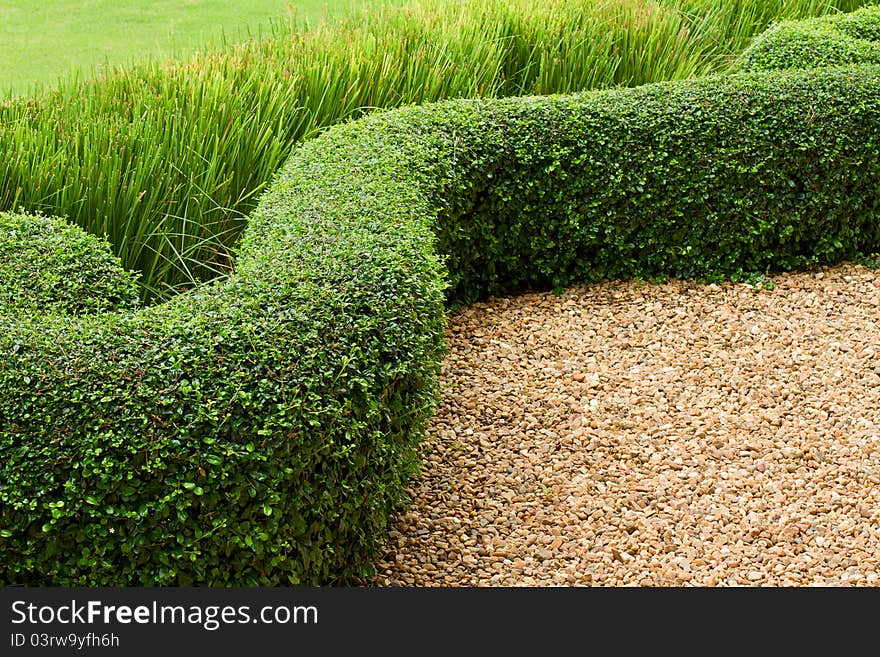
(629, 434)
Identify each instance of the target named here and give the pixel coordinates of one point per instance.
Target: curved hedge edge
(721, 177)
(263, 430)
(257, 431)
(48, 265)
(835, 40)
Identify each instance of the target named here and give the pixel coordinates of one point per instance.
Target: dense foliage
(851, 38)
(262, 429)
(167, 160)
(49, 265)
(717, 177)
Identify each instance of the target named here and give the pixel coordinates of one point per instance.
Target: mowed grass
(42, 41)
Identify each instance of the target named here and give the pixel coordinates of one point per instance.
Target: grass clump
(167, 160)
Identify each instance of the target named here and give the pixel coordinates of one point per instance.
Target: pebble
(635, 434)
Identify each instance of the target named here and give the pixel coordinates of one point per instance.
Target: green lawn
(44, 40)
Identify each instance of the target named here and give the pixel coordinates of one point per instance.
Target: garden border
(261, 430)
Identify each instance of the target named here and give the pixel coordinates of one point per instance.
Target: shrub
(263, 429)
(729, 175)
(48, 265)
(167, 160)
(852, 38)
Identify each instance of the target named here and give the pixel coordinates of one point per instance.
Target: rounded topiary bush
(263, 429)
(48, 265)
(841, 39)
(862, 24)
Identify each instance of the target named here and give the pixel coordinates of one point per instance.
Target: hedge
(263, 429)
(839, 39)
(48, 265)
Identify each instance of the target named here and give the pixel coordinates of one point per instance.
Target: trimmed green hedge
(841, 39)
(48, 265)
(263, 429)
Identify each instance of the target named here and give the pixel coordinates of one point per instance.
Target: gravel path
(655, 435)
